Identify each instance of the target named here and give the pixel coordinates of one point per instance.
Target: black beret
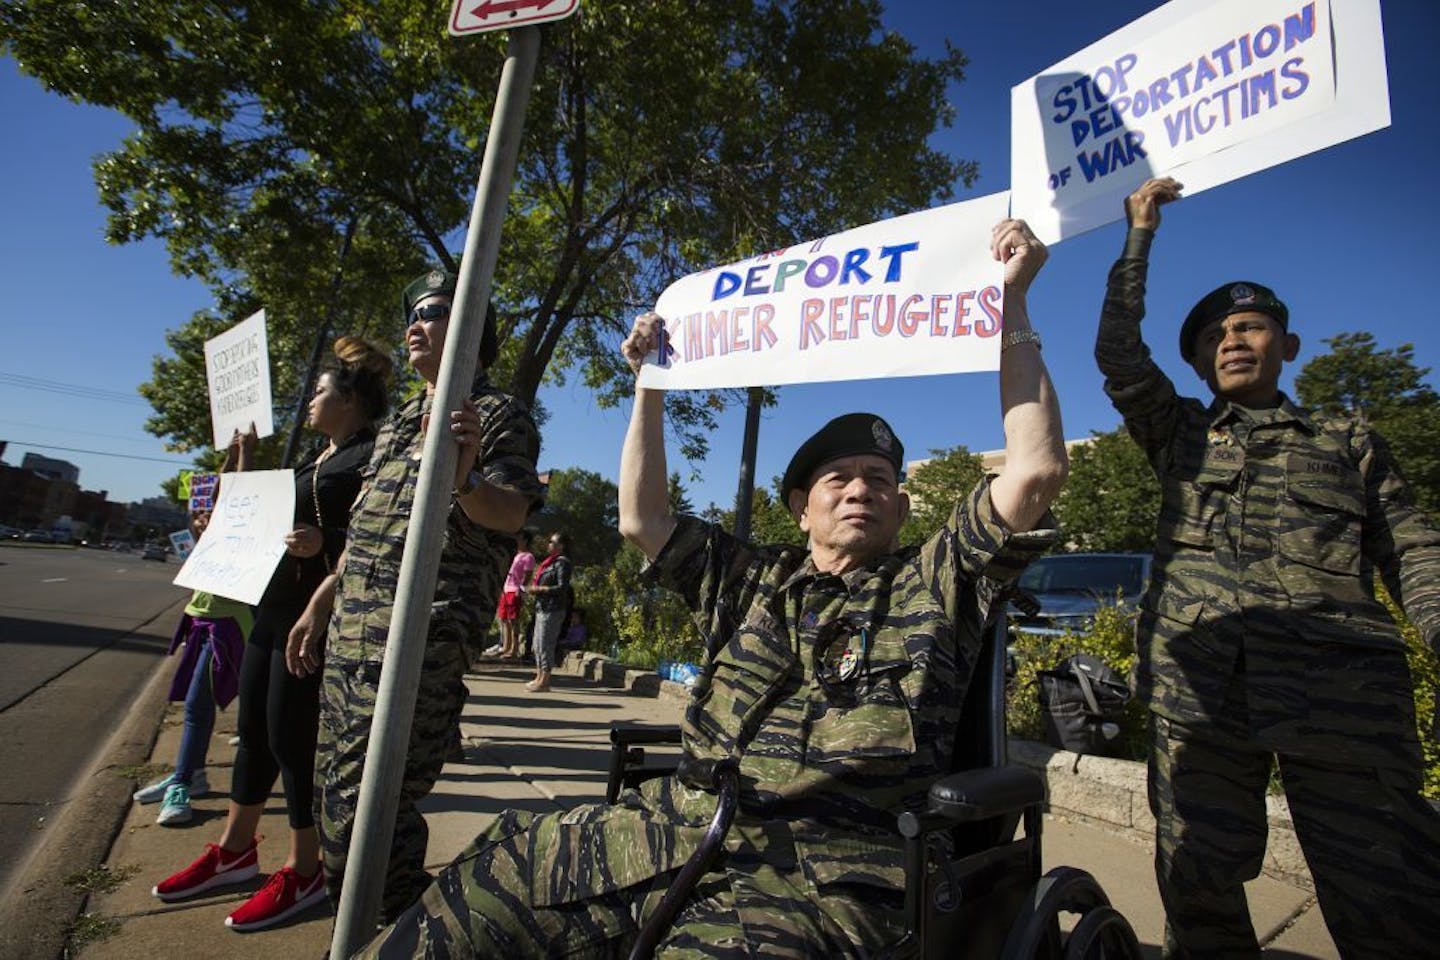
(845, 436)
(1238, 296)
(437, 281)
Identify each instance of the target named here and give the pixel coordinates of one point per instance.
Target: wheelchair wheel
(1036, 930)
(1102, 933)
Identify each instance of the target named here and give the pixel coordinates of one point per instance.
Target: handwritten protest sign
(238, 551)
(1205, 90)
(237, 366)
(916, 294)
(183, 541)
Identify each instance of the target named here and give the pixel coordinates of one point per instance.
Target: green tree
(934, 487)
(1112, 499)
(583, 505)
(662, 136)
(1387, 390)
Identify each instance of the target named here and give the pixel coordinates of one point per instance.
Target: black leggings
(279, 716)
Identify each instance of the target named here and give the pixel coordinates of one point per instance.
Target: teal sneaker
(176, 808)
(156, 791)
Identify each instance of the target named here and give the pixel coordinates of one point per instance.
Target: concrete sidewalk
(537, 753)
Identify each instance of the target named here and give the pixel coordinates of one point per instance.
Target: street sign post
(482, 16)
(384, 773)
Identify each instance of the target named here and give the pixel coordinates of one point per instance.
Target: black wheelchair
(980, 896)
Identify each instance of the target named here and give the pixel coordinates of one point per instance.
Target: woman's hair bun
(357, 352)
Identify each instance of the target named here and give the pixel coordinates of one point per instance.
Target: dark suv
(1070, 587)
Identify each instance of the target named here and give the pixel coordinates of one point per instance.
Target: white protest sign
(237, 367)
(1207, 91)
(183, 541)
(238, 552)
(917, 294)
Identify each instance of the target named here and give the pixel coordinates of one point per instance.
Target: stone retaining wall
(1097, 790)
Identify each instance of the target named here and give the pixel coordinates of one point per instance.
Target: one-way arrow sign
(479, 16)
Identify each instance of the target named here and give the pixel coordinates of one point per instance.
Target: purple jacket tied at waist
(229, 646)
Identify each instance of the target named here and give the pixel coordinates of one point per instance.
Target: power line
(69, 389)
(99, 453)
(88, 433)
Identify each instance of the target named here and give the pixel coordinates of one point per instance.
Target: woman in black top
(279, 711)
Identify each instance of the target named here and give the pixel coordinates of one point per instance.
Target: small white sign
(237, 554)
(916, 294)
(237, 367)
(483, 16)
(183, 541)
(1205, 90)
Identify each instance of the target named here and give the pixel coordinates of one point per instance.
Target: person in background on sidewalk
(212, 631)
(495, 490)
(553, 599)
(508, 611)
(1261, 636)
(834, 677)
(280, 700)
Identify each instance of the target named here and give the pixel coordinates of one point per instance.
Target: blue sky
(1344, 236)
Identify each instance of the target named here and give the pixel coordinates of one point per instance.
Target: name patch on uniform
(1322, 466)
(1224, 454)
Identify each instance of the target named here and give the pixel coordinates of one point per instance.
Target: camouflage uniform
(473, 563)
(831, 749)
(1261, 636)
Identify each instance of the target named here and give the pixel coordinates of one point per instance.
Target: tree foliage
(934, 488)
(584, 506)
(1387, 390)
(662, 136)
(1111, 499)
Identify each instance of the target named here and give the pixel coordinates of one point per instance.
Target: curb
(1102, 791)
(37, 909)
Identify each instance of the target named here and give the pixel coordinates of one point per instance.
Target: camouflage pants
(481, 906)
(347, 705)
(1371, 840)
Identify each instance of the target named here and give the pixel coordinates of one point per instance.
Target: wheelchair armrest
(627, 759)
(623, 733)
(973, 795)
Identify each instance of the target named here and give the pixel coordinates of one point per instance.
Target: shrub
(638, 624)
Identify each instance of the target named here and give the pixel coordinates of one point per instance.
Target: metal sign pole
(420, 563)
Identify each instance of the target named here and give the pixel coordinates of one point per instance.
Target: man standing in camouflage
(834, 677)
(495, 489)
(1261, 635)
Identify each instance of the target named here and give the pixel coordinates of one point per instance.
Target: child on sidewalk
(213, 631)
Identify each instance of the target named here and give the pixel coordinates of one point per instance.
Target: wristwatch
(472, 480)
(1016, 337)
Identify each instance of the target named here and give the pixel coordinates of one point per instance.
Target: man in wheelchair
(834, 682)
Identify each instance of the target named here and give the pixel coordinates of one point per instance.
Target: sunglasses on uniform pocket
(431, 311)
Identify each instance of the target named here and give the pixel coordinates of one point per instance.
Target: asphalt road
(81, 631)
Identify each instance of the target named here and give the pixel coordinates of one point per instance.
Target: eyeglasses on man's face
(428, 312)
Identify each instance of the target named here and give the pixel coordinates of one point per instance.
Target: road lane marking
(55, 580)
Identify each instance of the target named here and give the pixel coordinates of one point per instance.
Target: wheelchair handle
(725, 775)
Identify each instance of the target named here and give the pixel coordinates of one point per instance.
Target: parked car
(1070, 587)
(153, 551)
(36, 536)
(10, 533)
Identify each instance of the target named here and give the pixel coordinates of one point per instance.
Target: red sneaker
(285, 894)
(214, 868)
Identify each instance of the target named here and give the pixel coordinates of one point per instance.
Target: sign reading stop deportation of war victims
(917, 294)
(239, 549)
(237, 367)
(1204, 90)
